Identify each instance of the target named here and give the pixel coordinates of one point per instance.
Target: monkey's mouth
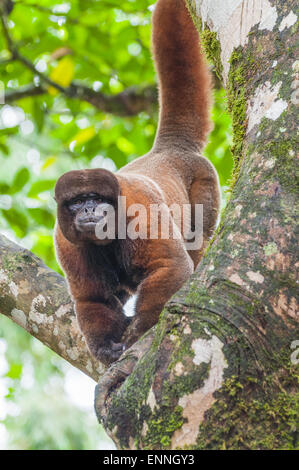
(88, 225)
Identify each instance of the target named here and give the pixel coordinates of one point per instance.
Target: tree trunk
(218, 371)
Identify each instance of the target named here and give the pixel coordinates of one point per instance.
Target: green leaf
(9, 131)
(40, 186)
(17, 221)
(4, 188)
(21, 178)
(38, 113)
(15, 371)
(42, 217)
(4, 149)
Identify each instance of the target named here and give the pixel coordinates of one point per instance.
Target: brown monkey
(103, 274)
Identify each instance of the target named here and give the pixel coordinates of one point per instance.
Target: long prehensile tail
(184, 79)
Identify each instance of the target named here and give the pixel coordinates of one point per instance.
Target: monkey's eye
(75, 205)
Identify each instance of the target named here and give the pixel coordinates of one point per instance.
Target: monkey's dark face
(88, 210)
(87, 202)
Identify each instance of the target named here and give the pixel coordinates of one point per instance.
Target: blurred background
(77, 90)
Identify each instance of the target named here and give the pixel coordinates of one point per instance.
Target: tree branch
(23, 92)
(36, 298)
(129, 102)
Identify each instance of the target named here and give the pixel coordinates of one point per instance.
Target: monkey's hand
(102, 328)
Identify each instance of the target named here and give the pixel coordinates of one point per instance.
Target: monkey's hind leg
(205, 191)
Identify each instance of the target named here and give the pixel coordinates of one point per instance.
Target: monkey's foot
(133, 332)
(110, 352)
(117, 373)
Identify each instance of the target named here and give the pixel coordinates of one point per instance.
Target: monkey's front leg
(153, 293)
(102, 325)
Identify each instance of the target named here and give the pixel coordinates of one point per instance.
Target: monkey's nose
(89, 210)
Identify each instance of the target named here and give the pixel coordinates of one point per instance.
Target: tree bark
(216, 372)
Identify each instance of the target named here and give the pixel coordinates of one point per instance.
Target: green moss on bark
(161, 427)
(212, 48)
(209, 40)
(267, 418)
(237, 105)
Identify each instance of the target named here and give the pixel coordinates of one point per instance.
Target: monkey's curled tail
(184, 79)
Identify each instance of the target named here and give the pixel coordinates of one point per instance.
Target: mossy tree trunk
(219, 372)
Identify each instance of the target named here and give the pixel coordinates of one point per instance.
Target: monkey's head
(87, 202)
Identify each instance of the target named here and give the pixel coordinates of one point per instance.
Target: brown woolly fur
(184, 79)
(103, 275)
